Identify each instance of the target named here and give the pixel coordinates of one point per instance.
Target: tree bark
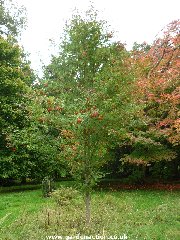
(88, 207)
(87, 168)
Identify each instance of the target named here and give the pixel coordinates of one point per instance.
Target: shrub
(64, 195)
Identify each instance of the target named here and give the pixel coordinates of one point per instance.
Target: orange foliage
(158, 73)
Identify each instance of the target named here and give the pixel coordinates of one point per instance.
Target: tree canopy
(97, 104)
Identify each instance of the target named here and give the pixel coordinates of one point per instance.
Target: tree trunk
(88, 207)
(23, 180)
(144, 170)
(87, 156)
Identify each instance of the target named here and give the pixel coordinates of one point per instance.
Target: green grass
(140, 214)
(14, 204)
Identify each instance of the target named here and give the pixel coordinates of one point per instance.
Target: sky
(132, 20)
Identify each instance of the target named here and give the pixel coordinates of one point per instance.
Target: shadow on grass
(19, 188)
(33, 186)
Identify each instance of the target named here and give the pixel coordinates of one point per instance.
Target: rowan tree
(93, 80)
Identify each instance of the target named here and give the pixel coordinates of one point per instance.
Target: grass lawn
(139, 214)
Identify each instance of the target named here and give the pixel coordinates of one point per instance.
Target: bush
(64, 195)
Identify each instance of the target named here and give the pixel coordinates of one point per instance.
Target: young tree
(93, 79)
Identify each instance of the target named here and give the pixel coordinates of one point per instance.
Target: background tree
(159, 81)
(26, 146)
(156, 67)
(41, 136)
(15, 76)
(12, 18)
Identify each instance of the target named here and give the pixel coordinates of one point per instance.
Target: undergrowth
(137, 214)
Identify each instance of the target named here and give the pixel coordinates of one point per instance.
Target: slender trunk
(88, 207)
(144, 169)
(87, 168)
(23, 180)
